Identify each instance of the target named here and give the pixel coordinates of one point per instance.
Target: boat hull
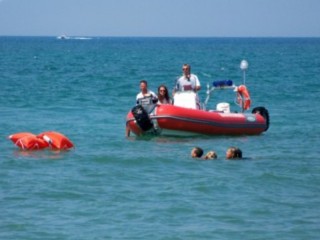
(170, 118)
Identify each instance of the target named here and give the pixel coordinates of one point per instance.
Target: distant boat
(63, 37)
(82, 38)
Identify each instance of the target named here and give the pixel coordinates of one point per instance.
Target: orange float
(243, 97)
(28, 141)
(56, 140)
(16, 136)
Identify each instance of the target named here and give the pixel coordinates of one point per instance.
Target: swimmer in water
(210, 155)
(233, 153)
(196, 152)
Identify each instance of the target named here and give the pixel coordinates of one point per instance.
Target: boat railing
(228, 84)
(218, 85)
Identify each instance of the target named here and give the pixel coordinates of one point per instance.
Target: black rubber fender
(142, 118)
(264, 113)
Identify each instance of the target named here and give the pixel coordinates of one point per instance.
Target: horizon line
(147, 36)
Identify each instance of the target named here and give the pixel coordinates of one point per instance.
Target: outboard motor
(142, 118)
(264, 113)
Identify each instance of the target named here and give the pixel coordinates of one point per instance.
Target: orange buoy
(16, 136)
(243, 97)
(31, 142)
(56, 140)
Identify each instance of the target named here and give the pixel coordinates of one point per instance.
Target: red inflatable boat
(173, 120)
(183, 118)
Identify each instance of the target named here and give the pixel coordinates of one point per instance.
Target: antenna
(244, 66)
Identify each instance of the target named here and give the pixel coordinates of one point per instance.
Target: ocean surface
(113, 187)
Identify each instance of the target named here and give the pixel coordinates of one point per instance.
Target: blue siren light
(222, 83)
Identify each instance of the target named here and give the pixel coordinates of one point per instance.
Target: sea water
(113, 187)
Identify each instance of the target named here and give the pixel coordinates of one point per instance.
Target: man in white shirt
(188, 81)
(146, 96)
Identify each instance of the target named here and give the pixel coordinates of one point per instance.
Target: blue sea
(113, 187)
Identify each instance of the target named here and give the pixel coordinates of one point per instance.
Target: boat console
(186, 99)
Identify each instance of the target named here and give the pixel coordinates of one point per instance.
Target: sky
(161, 18)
